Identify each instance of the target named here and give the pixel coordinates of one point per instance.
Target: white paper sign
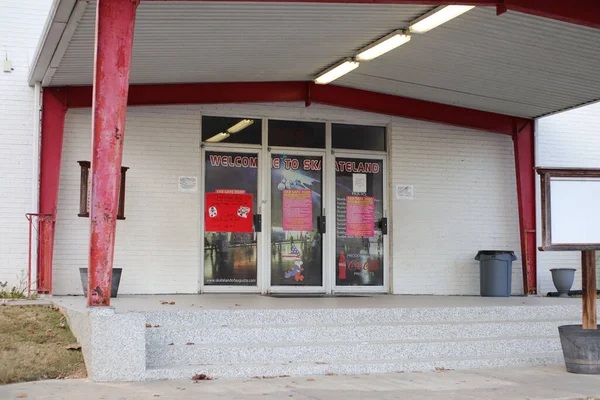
(188, 184)
(575, 211)
(359, 183)
(404, 192)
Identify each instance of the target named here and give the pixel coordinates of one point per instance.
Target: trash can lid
(495, 252)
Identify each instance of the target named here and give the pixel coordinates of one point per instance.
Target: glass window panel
(296, 242)
(230, 258)
(358, 137)
(297, 134)
(359, 211)
(231, 130)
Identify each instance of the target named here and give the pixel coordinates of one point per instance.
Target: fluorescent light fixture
(437, 17)
(382, 46)
(218, 137)
(339, 69)
(243, 124)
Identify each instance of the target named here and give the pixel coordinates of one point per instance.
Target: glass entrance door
(361, 226)
(230, 203)
(297, 223)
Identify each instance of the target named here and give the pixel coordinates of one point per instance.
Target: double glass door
(300, 247)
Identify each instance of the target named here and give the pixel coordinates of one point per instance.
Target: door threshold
(319, 295)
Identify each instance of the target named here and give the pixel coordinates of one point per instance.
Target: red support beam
(524, 141)
(415, 109)
(580, 12)
(54, 110)
(362, 100)
(115, 21)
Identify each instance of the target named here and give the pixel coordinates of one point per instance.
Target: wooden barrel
(581, 349)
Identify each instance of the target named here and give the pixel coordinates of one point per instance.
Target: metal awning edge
(54, 28)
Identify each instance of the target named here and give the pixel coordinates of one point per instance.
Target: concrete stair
(275, 342)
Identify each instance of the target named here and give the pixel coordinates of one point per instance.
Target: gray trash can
(495, 272)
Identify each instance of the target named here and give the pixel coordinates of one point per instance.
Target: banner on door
(228, 212)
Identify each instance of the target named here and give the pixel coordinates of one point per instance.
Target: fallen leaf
(441, 369)
(74, 346)
(238, 305)
(148, 325)
(189, 343)
(330, 374)
(21, 396)
(62, 325)
(157, 326)
(202, 377)
(170, 344)
(284, 376)
(290, 387)
(310, 380)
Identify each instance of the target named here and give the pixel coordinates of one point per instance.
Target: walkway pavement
(506, 383)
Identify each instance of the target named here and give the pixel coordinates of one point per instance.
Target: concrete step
(360, 367)
(351, 351)
(182, 334)
(358, 316)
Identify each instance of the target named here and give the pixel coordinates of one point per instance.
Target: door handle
(384, 226)
(321, 224)
(257, 222)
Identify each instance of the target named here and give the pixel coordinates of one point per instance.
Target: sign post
(571, 222)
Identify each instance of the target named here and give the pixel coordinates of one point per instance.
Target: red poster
(297, 210)
(228, 212)
(360, 216)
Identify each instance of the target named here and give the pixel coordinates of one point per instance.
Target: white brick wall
(569, 139)
(157, 245)
(465, 199)
(20, 28)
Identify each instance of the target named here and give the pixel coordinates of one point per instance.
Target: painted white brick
(158, 244)
(464, 200)
(569, 139)
(20, 28)
(464, 182)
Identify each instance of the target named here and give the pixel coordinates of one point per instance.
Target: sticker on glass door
(296, 204)
(231, 186)
(359, 210)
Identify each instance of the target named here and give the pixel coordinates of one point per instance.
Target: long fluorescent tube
(437, 17)
(218, 137)
(243, 124)
(382, 46)
(339, 69)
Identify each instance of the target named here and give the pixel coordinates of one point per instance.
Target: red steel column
(54, 110)
(524, 141)
(115, 21)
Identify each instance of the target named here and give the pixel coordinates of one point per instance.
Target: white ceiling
(513, 64)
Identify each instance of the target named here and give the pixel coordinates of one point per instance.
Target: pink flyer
(297, 210)
(360, 216)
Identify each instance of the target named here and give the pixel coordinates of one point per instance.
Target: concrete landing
(490, 384)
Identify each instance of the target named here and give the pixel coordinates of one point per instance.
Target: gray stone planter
(581, 349)
(563, 280)
(116, 279)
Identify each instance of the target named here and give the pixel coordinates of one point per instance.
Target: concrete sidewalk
(506, 383)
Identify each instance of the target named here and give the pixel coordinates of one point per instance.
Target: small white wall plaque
(188, 183)
(404, 192)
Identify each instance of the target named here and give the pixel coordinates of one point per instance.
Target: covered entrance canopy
(495, 68)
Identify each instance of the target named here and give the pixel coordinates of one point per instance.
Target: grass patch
(33, 345)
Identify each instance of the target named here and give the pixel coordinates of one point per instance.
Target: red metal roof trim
(263, 92)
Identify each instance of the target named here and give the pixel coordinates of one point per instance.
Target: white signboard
(575, 210)
(188, 184)
(404, 192)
